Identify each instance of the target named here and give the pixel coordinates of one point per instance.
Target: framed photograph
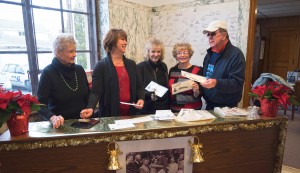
(170, 155)
(262, 48)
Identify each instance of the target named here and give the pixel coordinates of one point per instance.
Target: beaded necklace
(76, 88)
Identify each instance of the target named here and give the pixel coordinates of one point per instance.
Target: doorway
(283, 51)
(282, 45)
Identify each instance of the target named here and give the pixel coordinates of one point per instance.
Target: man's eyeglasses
(211, 34)
(184, 53)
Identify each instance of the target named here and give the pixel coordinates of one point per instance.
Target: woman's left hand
(195, 87)
(196, 90)
(139, 104)
(86, 113)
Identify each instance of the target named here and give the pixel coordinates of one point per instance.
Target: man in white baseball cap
(215, 25)
(224, 67)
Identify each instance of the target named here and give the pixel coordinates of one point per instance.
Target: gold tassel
(113, 163)
(196, 155)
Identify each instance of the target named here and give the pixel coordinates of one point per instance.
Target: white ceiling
(277, 8)
(265, 8)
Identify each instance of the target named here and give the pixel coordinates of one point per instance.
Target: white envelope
(194, 77)
(194, 115)
(182, 86)
(164, 115)
(159, 90)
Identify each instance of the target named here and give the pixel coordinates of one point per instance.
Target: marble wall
(137, 21)
(191, 18)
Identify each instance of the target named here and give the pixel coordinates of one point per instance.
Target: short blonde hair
(148, 45)
(179, 46)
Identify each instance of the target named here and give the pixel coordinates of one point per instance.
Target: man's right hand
(209, 83)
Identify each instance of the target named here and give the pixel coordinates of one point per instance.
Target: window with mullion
(30, 35)
(70, 17)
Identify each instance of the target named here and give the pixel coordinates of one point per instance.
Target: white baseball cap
(215, 25)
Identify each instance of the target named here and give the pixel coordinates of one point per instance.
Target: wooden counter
(230, 145)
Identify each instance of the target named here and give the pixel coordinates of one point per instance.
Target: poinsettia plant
(14, 102)
(274, 91)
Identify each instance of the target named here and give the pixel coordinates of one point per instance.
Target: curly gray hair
(62, 41)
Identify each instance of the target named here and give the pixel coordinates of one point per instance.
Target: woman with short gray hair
(63, 87)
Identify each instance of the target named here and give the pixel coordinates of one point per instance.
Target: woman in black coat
(154, 69)
(63, 88)
(115, 80)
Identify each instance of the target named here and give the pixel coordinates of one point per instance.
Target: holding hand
(195, 87)
(196, 90)
(140, 104)
(86, 113)
(57, 121)
(209, 83)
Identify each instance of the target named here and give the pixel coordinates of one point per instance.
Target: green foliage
(80, 34)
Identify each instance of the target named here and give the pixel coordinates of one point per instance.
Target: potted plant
(272, 95)
(15, 109)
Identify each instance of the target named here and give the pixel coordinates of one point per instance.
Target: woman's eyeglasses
(184, 53)
(211, 34)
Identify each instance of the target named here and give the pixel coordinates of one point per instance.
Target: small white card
(164, 115)
(120, 126)
(182, 86)
(131, 104)
(134, 120)
(194, 77)
(158, 89)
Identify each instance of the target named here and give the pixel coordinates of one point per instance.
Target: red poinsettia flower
(4, 100)
(274, 91)
(15, 102)
(259, 90)
(25, 102)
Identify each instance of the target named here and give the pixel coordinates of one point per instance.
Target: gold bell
(197, 155)
(113, 163)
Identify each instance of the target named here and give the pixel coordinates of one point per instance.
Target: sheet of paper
(226, 111)
(193, 77)
(164, 115)
(237, 111)
(158, 89)
(134, 120)
(125, 103)
(120, 126)
(182, 86)
(194, 115)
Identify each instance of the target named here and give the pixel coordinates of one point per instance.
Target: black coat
(149, 73)
(56, 97)
(105, 87)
